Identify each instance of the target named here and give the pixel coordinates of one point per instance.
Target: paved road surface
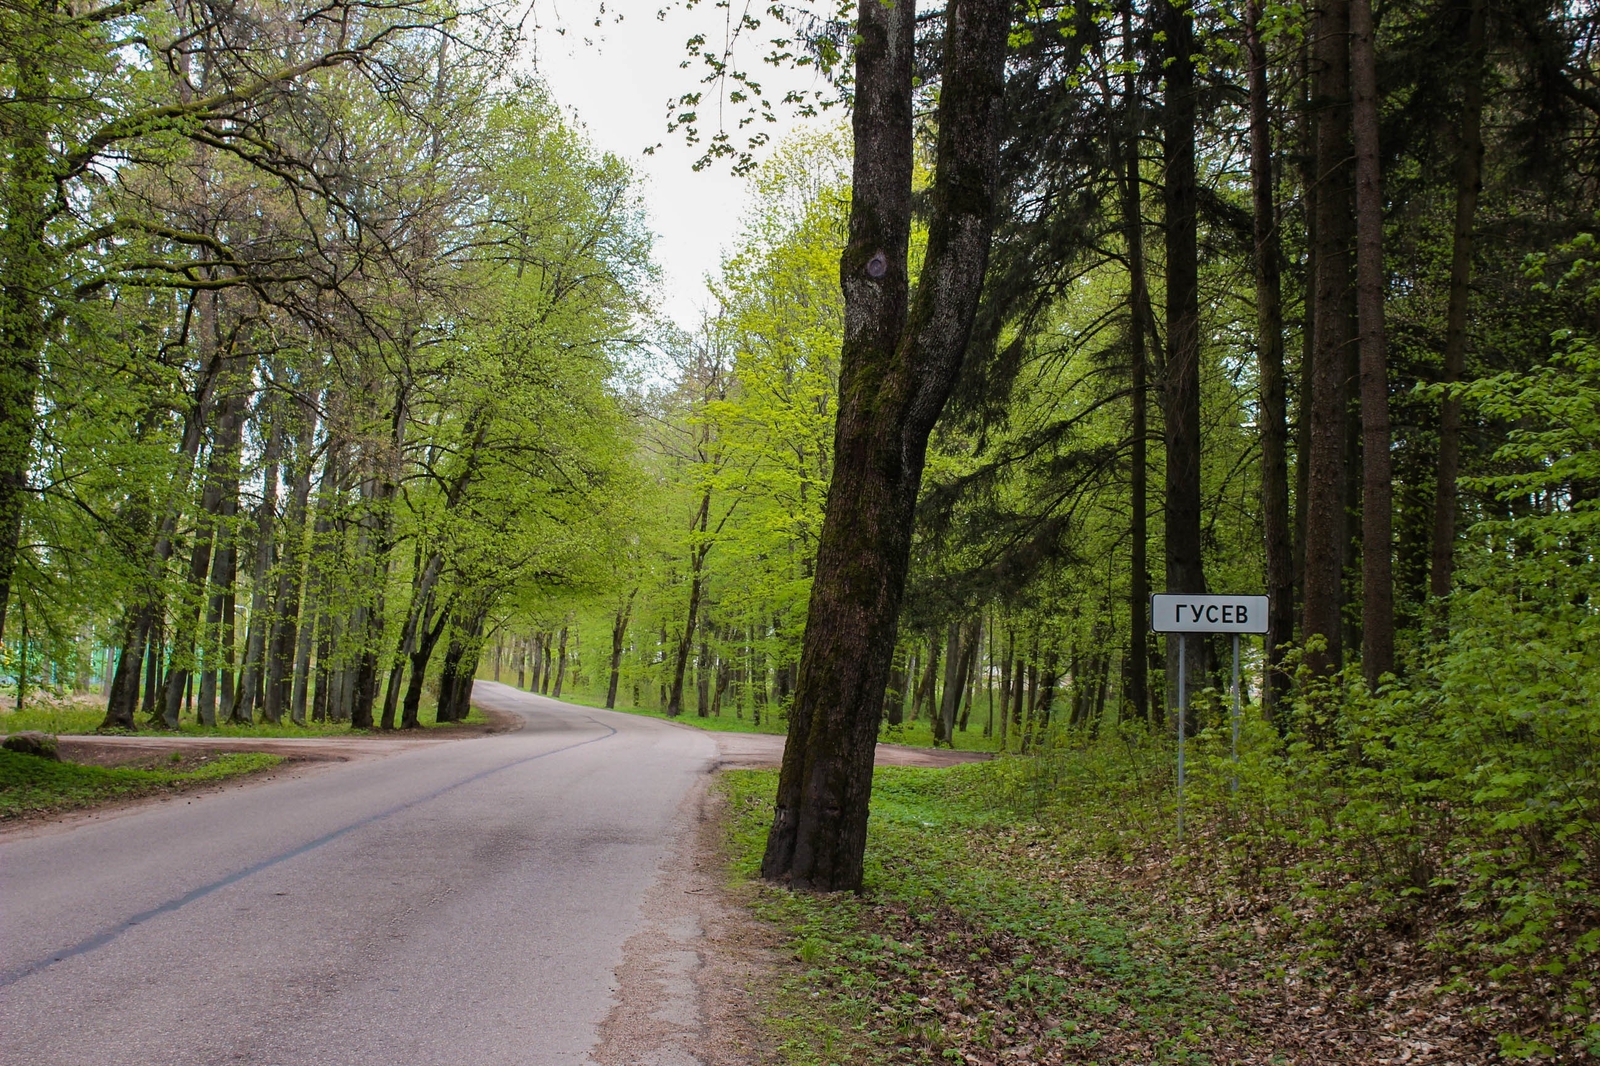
(459, 904)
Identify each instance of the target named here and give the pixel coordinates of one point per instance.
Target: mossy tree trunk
(898, 364)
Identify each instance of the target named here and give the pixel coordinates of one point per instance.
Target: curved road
(460, 904)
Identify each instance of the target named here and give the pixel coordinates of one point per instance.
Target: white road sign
(1172, 612)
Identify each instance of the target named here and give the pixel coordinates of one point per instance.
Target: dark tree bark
(428, 634)
(1377, 486)
(1307, 136)
(1181, 389)
(929, 682)
(561, 664)
(619, 632)
(544, 683)
(277, 693)
(897, 368)
(697, 559)
(1138, 364)
(894, 697)
(1274, 412)
(255, 643)
(538, 660)
(703, 670)
(941, 717)
(1469, 180)
(1325, 505)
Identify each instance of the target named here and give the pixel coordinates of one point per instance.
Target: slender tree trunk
(894, 697)
(217, 641)
(619, 632)
(1185, 561)
(897, 368)
(1274, 393)
(429, 633)
(1469, 180)
(192, 600)
(930, 681)
(544, 683)
(697, 558)
(561, 663)
(1325, 511)
(260, 614)
(277, 692)
(944, 716)
(1377, 490)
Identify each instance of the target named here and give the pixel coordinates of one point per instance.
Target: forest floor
(985, 938)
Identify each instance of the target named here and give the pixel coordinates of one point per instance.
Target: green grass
(30, 785)
(979, 937)
(67, 719)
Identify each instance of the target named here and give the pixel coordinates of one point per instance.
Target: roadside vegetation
(30, 785)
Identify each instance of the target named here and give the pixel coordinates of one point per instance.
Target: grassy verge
(31, 785)
(69, 719)
(979, 940)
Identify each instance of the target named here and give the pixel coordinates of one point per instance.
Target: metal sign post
(1184, 614)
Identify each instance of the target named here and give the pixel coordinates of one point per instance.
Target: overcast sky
(617, 79)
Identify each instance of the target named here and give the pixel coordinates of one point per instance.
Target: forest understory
(990, 933)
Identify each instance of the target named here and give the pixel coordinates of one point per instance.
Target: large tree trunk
(1469, 179)
(1377, 486)
(1138, 363)
(1274, 392)
(897, 368)
(1185, 562)
(1325, 505)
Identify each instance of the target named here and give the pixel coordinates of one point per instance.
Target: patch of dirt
(690, 984)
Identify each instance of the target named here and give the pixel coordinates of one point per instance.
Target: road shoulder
(694, 981)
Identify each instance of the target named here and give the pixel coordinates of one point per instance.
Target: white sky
(617, 79)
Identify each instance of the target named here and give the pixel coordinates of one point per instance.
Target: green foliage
(30, 785)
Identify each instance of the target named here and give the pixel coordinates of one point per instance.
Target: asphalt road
(460, 904)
